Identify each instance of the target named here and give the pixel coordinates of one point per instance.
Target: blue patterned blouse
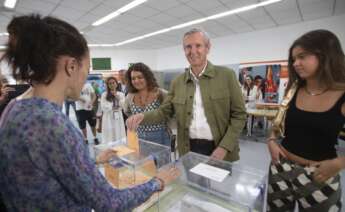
(45, 166)
(135, 109)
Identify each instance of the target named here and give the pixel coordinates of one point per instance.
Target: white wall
(270, 44)
(121, 58)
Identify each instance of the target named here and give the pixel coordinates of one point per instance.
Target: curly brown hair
(35, 44)
(147, 73)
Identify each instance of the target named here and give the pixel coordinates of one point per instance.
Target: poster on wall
(268, 79)
(97, 83)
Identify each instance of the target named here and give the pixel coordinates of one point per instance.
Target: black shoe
(96, 141)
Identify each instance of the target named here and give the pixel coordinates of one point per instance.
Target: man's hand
(219, 153)
(167, 175)
(327, 169)
(133, 121)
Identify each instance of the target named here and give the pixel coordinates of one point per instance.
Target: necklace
(314, 94)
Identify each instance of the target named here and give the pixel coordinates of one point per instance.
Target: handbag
(278, 125)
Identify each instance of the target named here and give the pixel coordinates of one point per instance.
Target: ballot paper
(210, 172)
(133, 140)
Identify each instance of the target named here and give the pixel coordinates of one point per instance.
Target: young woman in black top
(305, 166)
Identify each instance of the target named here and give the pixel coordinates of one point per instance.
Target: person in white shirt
(113, 125)
(250, 92)
(85, 113)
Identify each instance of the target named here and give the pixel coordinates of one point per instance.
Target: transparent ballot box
(208, 185)
(132, 166)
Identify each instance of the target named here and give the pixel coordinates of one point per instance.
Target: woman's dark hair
(257, 77)
(327, 48)
(245, 84)
(110, 97)
(147, 73)
(36, 43)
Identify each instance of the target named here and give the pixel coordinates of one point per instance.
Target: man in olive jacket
(206, 101)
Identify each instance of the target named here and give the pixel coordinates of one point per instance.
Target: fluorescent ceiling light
(197, 21)
(118, 12)
(10, 3)
(2, 47)
(130, 40)
(157, 32)
(3, 34)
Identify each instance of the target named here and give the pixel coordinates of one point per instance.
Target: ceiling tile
(67, 13)
(88, 18)
(339, 7)
(235, 23)
(313, 9)
(155, 15)
(164, 19)
(204, 5)
(81, 5)
(191, 17)
(34, 6)
(162, 5)
(144, 11)
(127, 18)
(214, 11)
(240, 3)
(289, 16)
(102, 10)
(257, 18)
(180, 11)
(116, 4)
(284, 12)
(147, 24)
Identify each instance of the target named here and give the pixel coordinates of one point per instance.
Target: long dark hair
(36, 43)
(110, 97)
(326, 47)
(245, 84)
(147, 73)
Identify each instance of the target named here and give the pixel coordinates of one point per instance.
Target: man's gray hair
(197, 30)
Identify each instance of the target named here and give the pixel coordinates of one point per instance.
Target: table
(267, 114)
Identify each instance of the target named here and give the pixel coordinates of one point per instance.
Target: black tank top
(313, 135)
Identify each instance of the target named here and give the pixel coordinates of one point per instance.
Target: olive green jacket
(223, 104)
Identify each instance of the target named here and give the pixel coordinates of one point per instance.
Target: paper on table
(210, 172)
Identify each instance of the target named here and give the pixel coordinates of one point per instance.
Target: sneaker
(96, 141)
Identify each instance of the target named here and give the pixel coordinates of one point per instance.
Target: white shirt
(86, 95)
(199, 127)
(255, 95)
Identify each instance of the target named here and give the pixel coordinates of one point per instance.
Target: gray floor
(253, 150)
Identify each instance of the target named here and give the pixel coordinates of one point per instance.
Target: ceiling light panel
(118, 12)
